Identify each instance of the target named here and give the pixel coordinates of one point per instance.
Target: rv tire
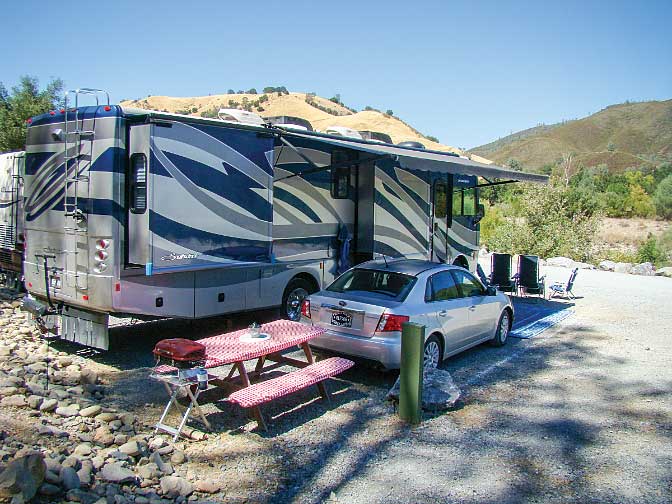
(294, 294)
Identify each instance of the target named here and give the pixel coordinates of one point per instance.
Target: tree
(230, 91)
(662, 198)
(611, 146)
(389, 112)
(251, 91)
(514, 164)
(25, 100)
(432, 138)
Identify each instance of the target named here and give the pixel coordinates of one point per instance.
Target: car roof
(403, 266)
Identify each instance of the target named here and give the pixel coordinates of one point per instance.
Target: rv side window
(138, 183)
(440, 200)
(340, 176)
(469, 202)
(457, 201)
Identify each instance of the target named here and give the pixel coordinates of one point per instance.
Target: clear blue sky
(483, 69)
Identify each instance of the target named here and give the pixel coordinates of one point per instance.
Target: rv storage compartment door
(138, 196)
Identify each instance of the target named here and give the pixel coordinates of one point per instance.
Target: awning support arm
(500, 182)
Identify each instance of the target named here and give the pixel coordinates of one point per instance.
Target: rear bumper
(385, 349)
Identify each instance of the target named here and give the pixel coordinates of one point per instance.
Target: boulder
(644, 269)
(164, 467)
(90, 411)
(17, 401)
(439, 391)
(179, 457)
(35, 401)
(208, 486)
(69, 478)
(623, 267)
(23, 477)
(116, 473)
(563, 262)
(132, 448)
(49, 490)
(67, 411)
(83, 450)
(174, 486)
(667, 271)
(48, 405)
(607, 265)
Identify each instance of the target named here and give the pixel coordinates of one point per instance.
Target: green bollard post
(410, 376)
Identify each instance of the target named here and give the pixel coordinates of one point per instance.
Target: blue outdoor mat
(531, 319)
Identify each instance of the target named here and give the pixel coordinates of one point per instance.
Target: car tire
(502, 330)
(433, 354)
(297, 290)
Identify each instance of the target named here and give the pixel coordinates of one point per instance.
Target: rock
(607, 265)
(208, 486)
(166, 450)
(77, 495)
(116, 473)
(644, 269)
(582, 265)
(23, 477)
(83, 449)
(88, 377)
(69, 478)
(72, 461)
(85, 474)
(67, 411)
(90, 411)
(49, 490)
(106, 417)
(98, 462)
(53, 465)
(132, 448)
(127, 419)
(563, 262)
(174, 486)
(120, 439)
(156, 443)
(53, 478)
(16, 401)
(667, 271)
(163, 466)
(48, 405)
(623, 267)
(103, 438)
(8, 391)
(35, 401)
(48, 430)
(439, 391)
(149, 471)
(178, 457)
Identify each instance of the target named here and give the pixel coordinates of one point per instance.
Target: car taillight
(305, 308)
(389, 322)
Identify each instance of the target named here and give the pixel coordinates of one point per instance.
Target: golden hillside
(295, 104)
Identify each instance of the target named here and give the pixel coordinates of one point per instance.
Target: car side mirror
(492, 290)
(480, 213)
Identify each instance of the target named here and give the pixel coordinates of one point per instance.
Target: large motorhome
(151, 214)
(11, 218)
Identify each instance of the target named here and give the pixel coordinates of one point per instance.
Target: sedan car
(363, 311)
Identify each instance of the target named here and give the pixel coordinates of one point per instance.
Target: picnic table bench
(232, 348)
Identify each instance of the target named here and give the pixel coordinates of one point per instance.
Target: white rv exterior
(11, 217)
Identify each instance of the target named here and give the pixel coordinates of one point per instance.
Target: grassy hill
(620, 136)
(321, 113)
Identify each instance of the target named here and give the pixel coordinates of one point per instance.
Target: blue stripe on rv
(289, 198)
(212, 244)
(381, 201)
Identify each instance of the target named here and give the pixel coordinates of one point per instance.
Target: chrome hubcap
(294, 300)
(504, 328)
(432, 353)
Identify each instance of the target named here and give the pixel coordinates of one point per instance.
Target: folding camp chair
(564, 290)
(501, 272)
(527, 279)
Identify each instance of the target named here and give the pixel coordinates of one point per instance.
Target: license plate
(341, 319)
(55, 282)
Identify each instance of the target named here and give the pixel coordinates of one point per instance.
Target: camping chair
(501, 272)
(564, 290)
(527, 278)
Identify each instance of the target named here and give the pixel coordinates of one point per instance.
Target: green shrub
(662, 198)
(649, 251)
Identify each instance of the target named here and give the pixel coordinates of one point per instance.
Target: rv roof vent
(411, 144)
(376, 136)
(291, 122)
(240, 116)
(344, 132)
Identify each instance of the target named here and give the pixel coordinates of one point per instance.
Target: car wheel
(502, 331)
(297, 290)
(432, 355)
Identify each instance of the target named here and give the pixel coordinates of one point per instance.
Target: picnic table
(235, 349)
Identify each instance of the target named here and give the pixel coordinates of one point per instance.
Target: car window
(441, 287)
(385, 283)
(467, 284)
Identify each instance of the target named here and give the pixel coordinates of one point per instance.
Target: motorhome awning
(428, 160)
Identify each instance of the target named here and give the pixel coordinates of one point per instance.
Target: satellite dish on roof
(411, 144)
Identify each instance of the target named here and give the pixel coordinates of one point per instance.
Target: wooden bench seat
(268, 390)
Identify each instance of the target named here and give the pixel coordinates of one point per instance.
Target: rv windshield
(386, 284)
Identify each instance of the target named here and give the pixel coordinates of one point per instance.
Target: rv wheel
(297, 290)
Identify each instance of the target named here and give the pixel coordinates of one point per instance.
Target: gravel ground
(581, 413)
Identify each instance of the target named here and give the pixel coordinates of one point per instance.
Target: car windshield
(385, 284)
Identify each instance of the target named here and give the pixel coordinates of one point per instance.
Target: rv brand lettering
(178, 257)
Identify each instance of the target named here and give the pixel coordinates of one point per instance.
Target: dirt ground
(581, 413)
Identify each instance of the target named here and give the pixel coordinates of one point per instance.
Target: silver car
(364, 308)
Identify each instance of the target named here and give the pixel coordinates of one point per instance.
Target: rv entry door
(439, 242)
(138, 196)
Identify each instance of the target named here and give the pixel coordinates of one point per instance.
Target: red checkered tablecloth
(227, 348)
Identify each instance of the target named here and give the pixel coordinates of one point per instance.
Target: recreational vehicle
(11, 218)
(376, 136)
(141, 213)
(290, 122)
(344, 132)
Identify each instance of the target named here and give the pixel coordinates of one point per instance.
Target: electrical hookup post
(410, 376)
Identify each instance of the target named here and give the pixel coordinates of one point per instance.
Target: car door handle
(472, 308)
(443, 313)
